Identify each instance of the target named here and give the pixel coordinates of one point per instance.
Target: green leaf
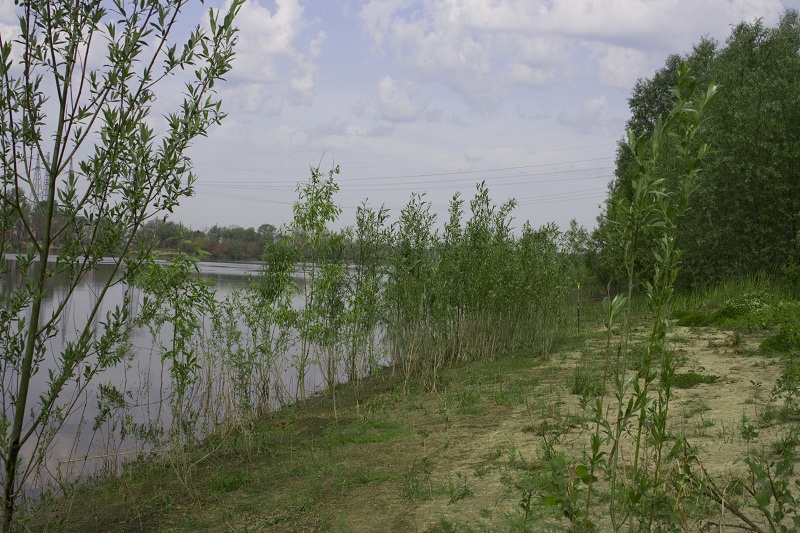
(763, 497)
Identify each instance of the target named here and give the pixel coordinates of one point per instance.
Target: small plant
(227, 482)
(787, 386)
(414, 488)
(459, 489)
(586, 382)
(773, 492)
(791, 277)
(468, 400)
(695, 319)
(563, 490)
(704, 423)
(785, 341)
(787, 444)
(748, 431)
(411, 486)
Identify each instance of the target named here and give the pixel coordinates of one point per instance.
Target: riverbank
(476, 454)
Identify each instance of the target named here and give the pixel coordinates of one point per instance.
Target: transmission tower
(39, 183)
(36, 180)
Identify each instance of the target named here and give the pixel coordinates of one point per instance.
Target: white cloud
(586, 116)
(9, 25)
(621, 67)
(522, 74)
(661, 24)
(480, 48)
(396, 101)
(271, 50)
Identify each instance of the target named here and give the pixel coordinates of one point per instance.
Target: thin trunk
(26, 371)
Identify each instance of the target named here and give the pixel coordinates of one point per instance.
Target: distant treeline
(222, 243)
(228, 243)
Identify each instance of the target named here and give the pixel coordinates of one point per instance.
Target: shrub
(695, 319)
(785, 341)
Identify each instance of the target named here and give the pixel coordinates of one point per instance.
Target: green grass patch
(587, 381)
(364, 432)
(692, 379)
(468, 401)
(446, 526)
(458, 489)
(227, 482)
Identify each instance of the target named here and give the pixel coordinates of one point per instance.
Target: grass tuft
(691, 379)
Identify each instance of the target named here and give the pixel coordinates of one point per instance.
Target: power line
(493, 181)
(353, 164)
(439, 174)
(484, 137)
(530, 200)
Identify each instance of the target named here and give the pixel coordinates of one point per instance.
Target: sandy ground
(482, 449)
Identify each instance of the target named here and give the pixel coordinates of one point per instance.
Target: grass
(587, 381)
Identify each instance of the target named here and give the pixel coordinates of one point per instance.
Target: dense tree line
(744, 216)
(223, 243)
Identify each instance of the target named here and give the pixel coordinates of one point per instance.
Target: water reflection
(142, 377)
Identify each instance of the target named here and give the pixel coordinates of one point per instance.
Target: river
(141, 376)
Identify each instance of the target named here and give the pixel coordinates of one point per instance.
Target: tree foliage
(743, 217)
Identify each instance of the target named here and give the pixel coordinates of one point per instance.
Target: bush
(791, 277)
(786, 340)
(695, 319)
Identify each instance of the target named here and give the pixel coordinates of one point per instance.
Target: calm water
(141, 376)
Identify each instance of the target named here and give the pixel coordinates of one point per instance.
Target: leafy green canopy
(744, 216)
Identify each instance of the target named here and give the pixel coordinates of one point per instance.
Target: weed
(458, 489)
(586, 382)
(772, 490)
(786, 445)
(785, 341)
(704, 423)
(695, 408)
(468, 400)
(412, 489)
(446, 526)
(747, 430)
(227, 482)
(787, 386)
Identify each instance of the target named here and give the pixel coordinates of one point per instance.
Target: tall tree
(745, 216)
(650, 99)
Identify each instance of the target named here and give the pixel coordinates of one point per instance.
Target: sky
(432, 97)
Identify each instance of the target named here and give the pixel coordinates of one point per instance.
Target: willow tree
(78, 85)
(744, 216)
